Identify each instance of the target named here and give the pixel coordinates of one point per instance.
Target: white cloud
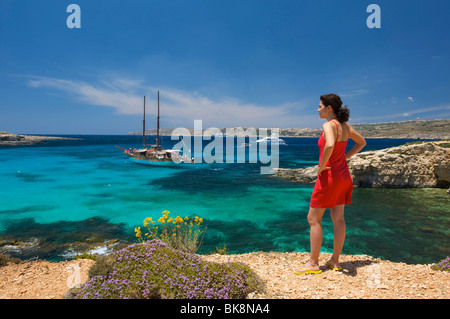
(410, 98)
(429, 109)
(230, 111)
(110, 95)
(182, 107)
(353, 93)
(398, 116)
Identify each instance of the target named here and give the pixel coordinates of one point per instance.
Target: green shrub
(444, 265)
(446, 145)
(222, 251)
(5, 259)
(103, 266)
(85, 256)
(155, 270)
(414, 142)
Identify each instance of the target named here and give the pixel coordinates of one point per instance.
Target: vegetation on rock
(154, 270)
(444, 265)
(179, 233)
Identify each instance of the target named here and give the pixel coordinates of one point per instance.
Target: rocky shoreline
(9, 139)
(416, 164)
(24, 250)
(363, 277)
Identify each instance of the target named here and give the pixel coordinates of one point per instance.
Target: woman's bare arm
(360, 142)
(329, 146)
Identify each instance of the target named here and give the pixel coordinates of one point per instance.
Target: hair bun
(342, 113)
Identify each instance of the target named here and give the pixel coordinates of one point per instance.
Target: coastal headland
(10, 139)
(416, 129)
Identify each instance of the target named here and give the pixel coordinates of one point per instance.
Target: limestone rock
(422, 164)
(301, 175)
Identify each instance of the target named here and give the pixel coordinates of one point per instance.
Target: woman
(333, 188)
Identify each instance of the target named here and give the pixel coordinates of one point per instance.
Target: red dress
(334, 186)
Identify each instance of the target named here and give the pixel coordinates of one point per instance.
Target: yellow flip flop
(307, 271)
(334, 268)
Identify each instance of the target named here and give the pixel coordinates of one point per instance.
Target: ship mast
(157, 127)
(143, 128)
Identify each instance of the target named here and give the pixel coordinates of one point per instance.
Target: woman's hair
(342, 113)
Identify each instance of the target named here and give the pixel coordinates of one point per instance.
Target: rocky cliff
(417, 164)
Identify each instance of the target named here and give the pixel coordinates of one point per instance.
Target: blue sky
(254, 63)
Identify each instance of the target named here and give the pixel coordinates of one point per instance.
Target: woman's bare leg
(315, 222)
(337, 216)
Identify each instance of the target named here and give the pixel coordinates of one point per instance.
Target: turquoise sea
(65, 194)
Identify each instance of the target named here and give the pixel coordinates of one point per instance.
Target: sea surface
(64, 195)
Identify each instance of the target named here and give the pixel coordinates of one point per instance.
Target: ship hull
(156, 162)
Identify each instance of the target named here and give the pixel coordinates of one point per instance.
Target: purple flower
(153, 269)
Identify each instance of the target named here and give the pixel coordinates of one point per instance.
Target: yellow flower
(137, 231)
(178, 220)
(170, 219)
(148, 219)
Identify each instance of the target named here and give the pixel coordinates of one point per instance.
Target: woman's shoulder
(328, 124)
(350, 128)
(354, 135)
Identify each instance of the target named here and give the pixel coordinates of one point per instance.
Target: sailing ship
(155, 155)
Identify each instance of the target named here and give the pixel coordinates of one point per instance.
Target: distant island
(10, 139)
(415, 129)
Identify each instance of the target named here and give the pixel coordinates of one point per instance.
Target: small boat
(156, 155)
(272, 139)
